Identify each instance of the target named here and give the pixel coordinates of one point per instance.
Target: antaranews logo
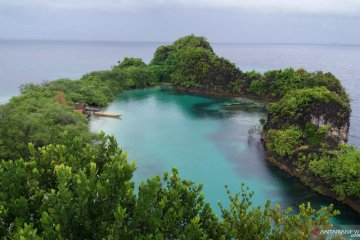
(344, 231)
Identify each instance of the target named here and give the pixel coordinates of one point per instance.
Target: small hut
(79, 107)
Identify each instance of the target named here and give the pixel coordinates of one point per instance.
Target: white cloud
(308, 6)
(339, 7)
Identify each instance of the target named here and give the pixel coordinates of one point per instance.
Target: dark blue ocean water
(206, 138)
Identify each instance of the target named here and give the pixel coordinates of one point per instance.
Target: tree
(242, 221)
(79, 191)
(36, 117)
(60, 98)
(341, 169)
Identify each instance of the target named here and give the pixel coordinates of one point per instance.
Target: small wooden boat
(99, 114)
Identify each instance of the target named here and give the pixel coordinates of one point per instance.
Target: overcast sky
(260, 21)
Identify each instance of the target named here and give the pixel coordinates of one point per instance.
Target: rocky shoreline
(312, 183)
(213, 93)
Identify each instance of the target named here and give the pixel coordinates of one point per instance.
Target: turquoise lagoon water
(207, 140)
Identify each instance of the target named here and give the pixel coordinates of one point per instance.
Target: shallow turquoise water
(207, 139)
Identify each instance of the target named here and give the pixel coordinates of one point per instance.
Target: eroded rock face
(336, 131)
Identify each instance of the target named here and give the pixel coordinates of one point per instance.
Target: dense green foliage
(341, 169)
(137, 73)
(203, 68)
(284, 142)
(314, 135)
(99, 88)
(36, 117)
(291, 140)
(164, 55)
(190, 62)
(78, 191)
(244, 222)
(275, 84)
(297, 106)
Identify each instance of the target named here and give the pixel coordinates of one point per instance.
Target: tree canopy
(79, 191)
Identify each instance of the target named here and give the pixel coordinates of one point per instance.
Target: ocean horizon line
(168, 42)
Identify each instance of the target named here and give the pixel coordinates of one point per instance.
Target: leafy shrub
(131, 62)
(314, 135)
(341, 169)
(242, 221)
(275, 84)
(284, 142)
(78, 191)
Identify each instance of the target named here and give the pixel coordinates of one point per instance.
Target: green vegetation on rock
(190, 62)
(298, 106)
(275, 84)
(284, 142)
(340, 168)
